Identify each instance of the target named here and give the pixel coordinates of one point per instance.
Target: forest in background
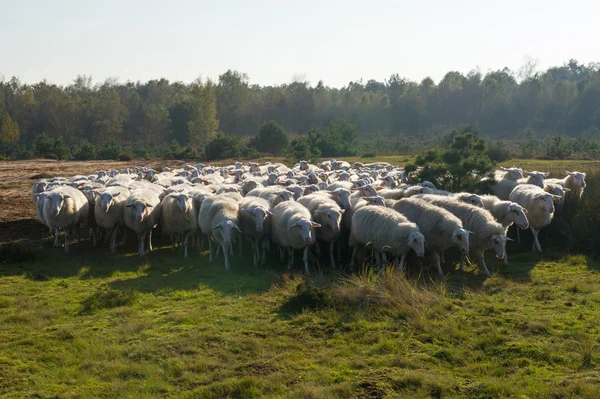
(557, 107)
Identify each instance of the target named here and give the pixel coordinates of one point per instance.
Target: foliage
(337, 140)
(223, 146)
(460, 166)
(558, 147)
(529, 148)
(9, 130)
(124, 156)
(498, 151)
(300, 149)
(271, 138)
(84, 151)
(109, 150)
(46, 147)
(203, 123)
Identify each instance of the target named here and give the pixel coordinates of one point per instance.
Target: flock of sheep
(333, 205)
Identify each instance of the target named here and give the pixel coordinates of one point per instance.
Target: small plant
(124, 157)
(559, 148)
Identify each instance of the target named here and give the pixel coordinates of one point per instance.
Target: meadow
(95, 325)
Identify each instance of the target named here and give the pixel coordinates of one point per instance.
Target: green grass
(9, 186)
(93, 325)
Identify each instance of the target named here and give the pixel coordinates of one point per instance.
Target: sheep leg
(536, 242)
(483, 265)
(462, 263)
(113, 241)
(67, 240)
(281, 256)
(185, 244)
(172, 244)
(226, 254)
(240, 245)
(353, 256)
(339, 250)
(505, 261)
(291, 253)
(218, 252)
(93, 234)
(57, 243)
(401, 265)
(124, 235)
(331, 243)
(305, 259)
(150, 240)
(384, 259)
(141, 239)
(438, 266)
(442, 257)
(318, 248)
(378, 259)
(210, 253)
(254, 251)
(518, 235)
(265, 244)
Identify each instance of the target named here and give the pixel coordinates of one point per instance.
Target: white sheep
(65, 208)
(559, 191)
(486, 233)
(110, 211)
(574, 181)
(386, 231)
(441, 228)
(255, 223)
(292, 228)
(142, 213)
(326, 212)
(506, 213)
(179, 217)
(540, 208)
(218, 218)
(273, 194)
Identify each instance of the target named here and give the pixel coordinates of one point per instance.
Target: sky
(275, 42)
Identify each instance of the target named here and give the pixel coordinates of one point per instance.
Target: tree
(459, 166)
(203, 122)
(271, 138)
(223, 146)
(9, 130)
(232, 100)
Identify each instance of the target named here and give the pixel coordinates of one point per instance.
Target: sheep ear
(129, 206)
(569, 173)
(524, 210)
(556, 196)
(269, 213)
(66, 196)
(235, 226)
(546, 174)
(342, 210)
(503, 168)
(566, 190)
(526, 173)
(470, 232)
(116, 194)
(509, 239)
(379, 188)
(386, 247)
(313, 224)
(149, 205)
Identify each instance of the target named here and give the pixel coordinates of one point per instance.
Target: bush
(223, 146)
(271, 138)
(109, 150)
(60, 149)
(559, 148)
(338, 139)
(369, 155)
(84, 151)
(43, 145)
(51, 155)
(498, 151)
(459, 166)
(124, 156)
(299, 149)
(529, 148)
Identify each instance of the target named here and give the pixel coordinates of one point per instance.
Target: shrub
(299, 149)
(271, 138)
(559, 148)
(460, 166)
(369, 155)
(109, 150)
(223, 146)
(498, 151)
(51, 155)
(124, 156)
(338, 139)
(43, 144)
(529, 148)
(84, 151)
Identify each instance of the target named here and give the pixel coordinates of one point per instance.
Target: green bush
(529, 149)
(559, 147)
(271, 138)
(299, 149)
(124, 157)
(338, 139)
(43, 145)
(109, 150)
(84, 151)
(223, 146)
(498, 151)
(60, 149)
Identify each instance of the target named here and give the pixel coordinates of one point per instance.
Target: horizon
(278, 43)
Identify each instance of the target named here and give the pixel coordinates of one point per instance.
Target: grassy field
(92, 325)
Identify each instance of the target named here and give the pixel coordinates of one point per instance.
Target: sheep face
(106, 200)
(368, 191)
(341, 196)
(334, 218)
(272, 180)
(545, 201)
(536, 178)
(296, 191)
(473, 199)
(498, 244)
(513, 173)
(57, 201)
(184, 202)
(460, 238)
(517, 214)
(416, 241)
(376, 200)
(344, 176)
(286, 196)
(226, 229)
(140, 209)
(303, 229)
(313, 188)
(389, 181)
(578, 178)
(427, 184)
(259, 215)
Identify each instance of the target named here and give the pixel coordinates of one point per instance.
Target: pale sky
(272, 41)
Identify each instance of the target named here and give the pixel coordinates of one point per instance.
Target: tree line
(397, 114)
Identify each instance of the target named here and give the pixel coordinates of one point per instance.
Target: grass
(9, 186)
(93, 325)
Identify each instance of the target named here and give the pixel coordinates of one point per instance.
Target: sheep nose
(259, 229)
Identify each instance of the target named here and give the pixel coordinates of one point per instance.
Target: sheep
(559, 191)
(375, 200)
(218, 218)
(386, 231)
(574, 181)
(275, 195)
(65, 208)
(513, 173)
(486, 233)
(472, 199)
(326, 212)
(179, 217)
(109, 211)
(142, 213)
(513, 177)
(292, 228)
(506, 213)
(441, 228)
(37, 188)
(405, 192)
(540, 208)
(535, 178)
(255, 223)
